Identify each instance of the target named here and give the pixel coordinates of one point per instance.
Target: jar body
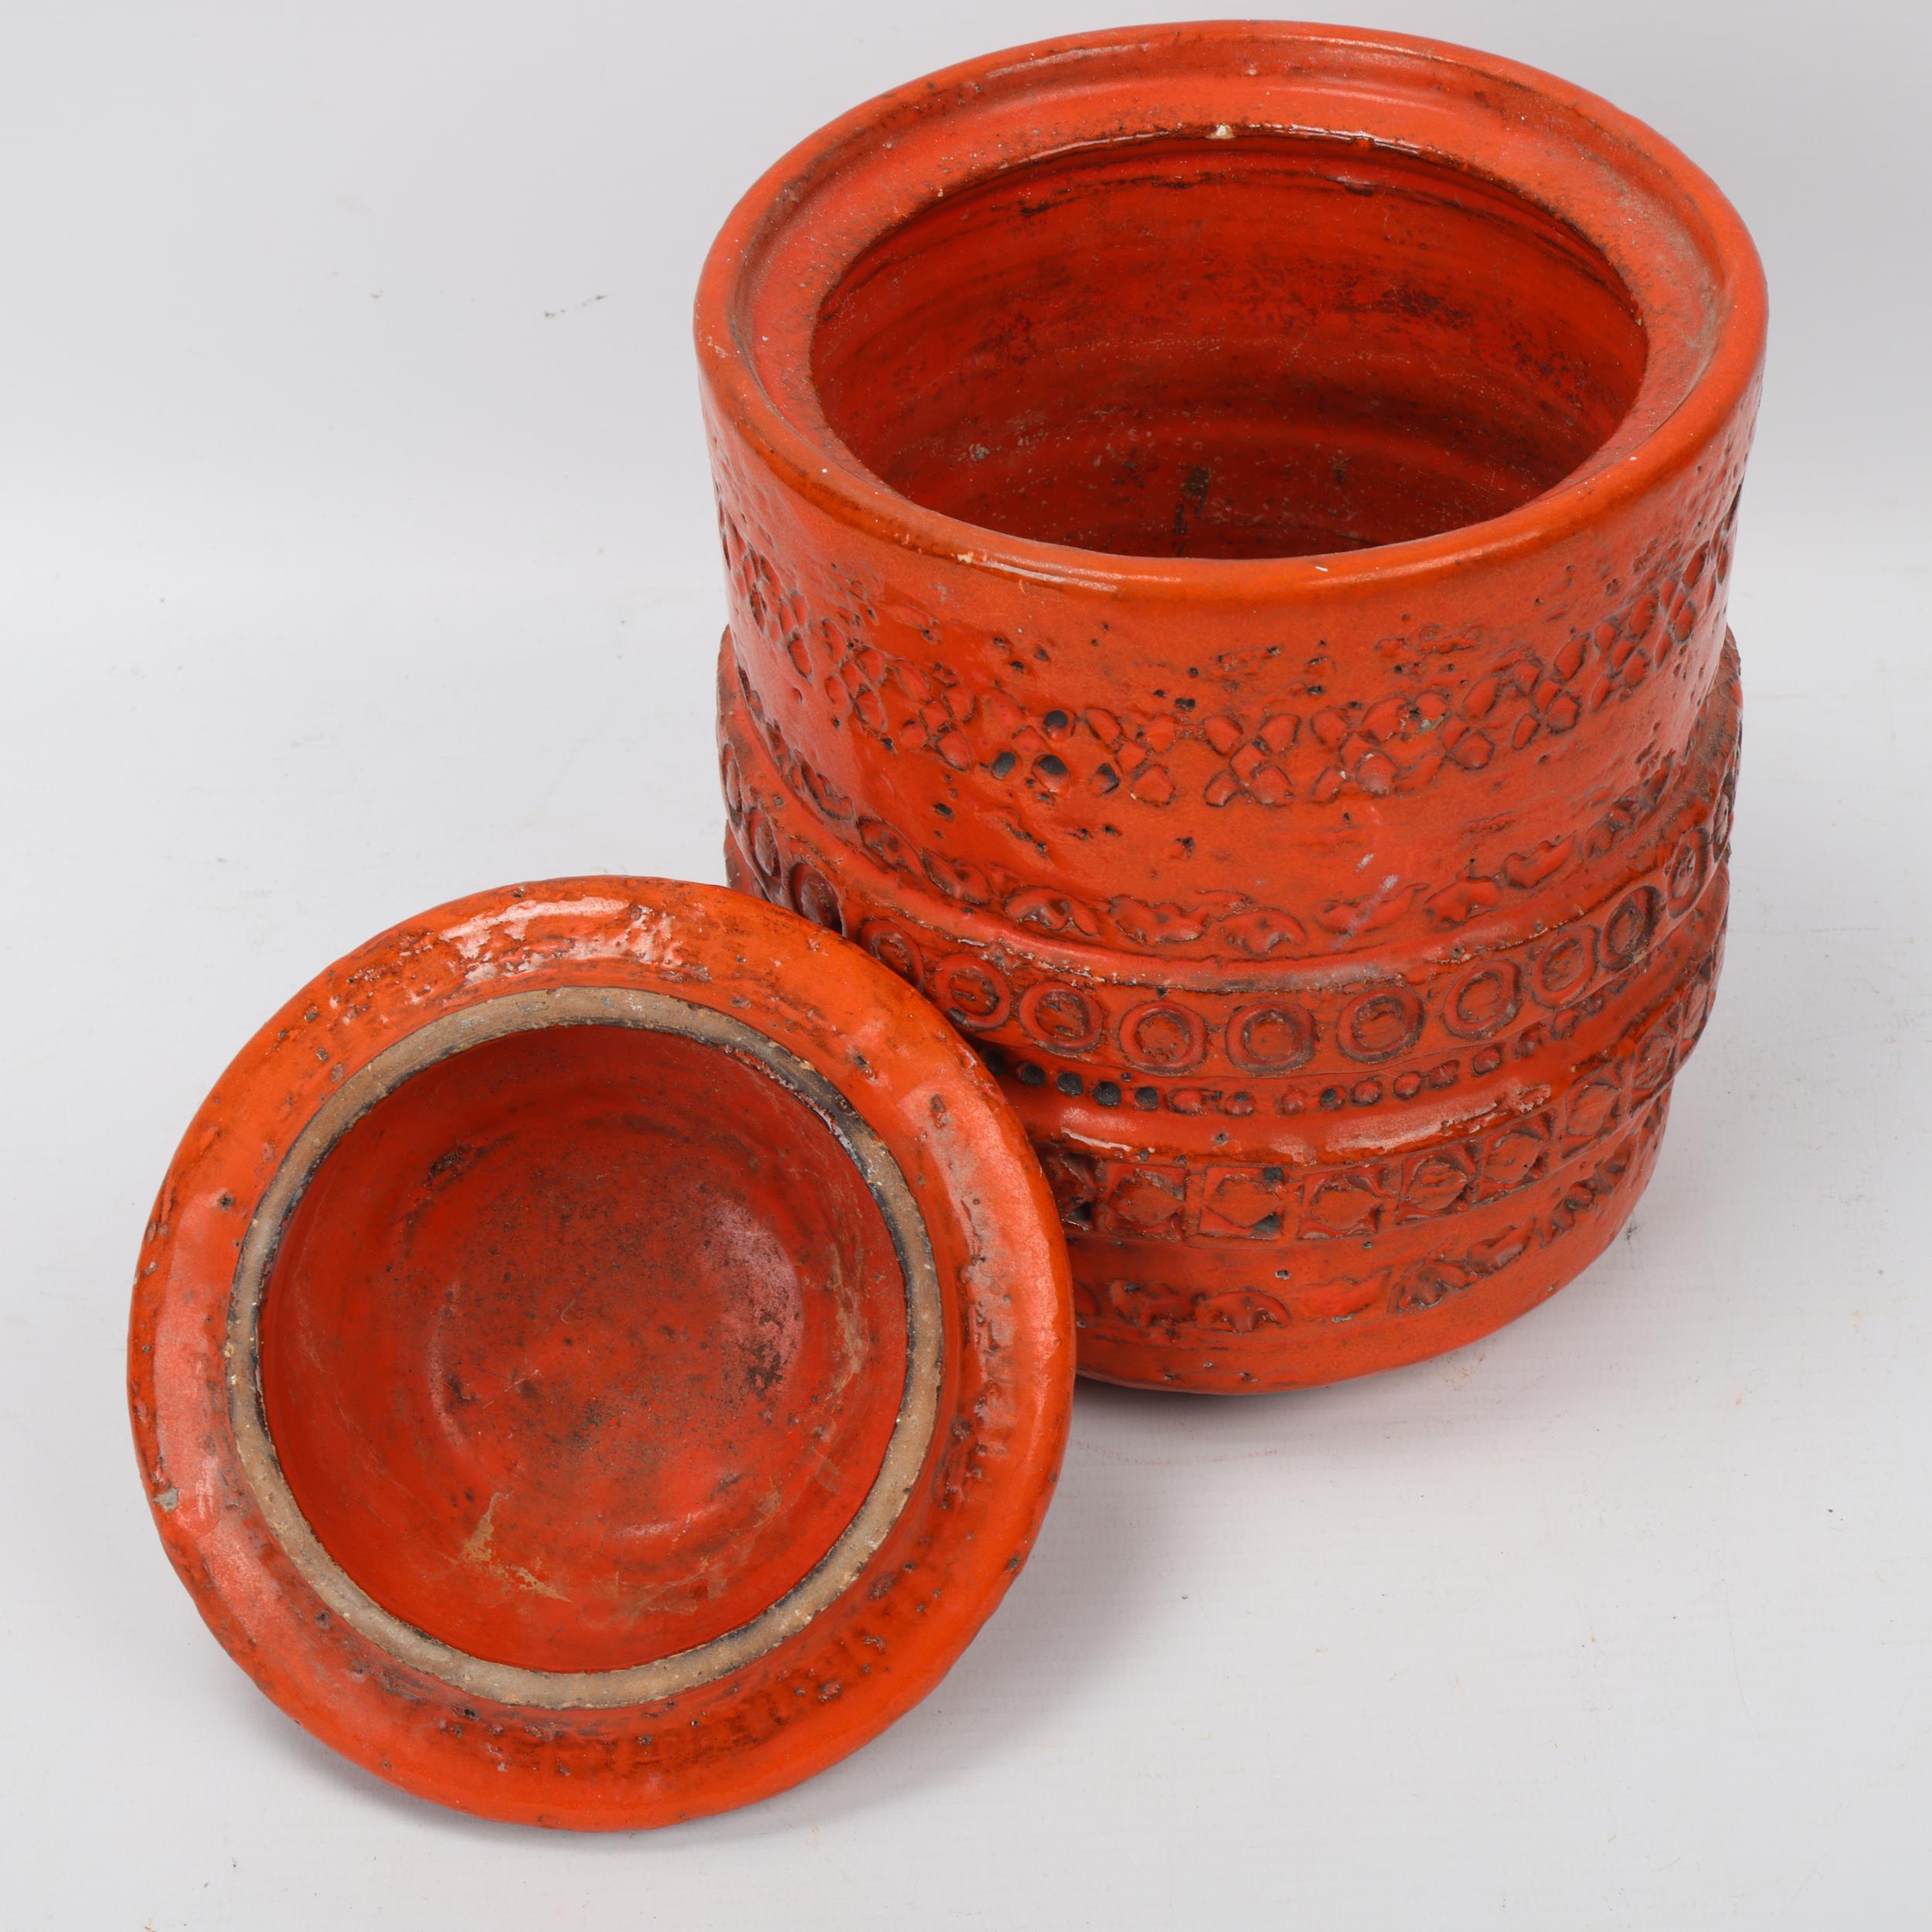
(1337, 925)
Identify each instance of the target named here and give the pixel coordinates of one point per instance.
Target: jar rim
(1681, 251)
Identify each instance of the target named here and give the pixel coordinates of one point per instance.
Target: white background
(358, 552)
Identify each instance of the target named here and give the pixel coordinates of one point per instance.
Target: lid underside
(601, 1300)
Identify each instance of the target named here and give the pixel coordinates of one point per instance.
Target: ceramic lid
(600, 1352)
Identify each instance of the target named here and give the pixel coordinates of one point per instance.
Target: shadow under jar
(1227, 529)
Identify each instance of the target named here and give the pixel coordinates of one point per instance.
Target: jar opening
(1233, 345)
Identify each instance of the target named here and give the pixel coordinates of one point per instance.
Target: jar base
(1448, 1302)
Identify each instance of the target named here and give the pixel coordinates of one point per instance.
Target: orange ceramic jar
(1228, 529)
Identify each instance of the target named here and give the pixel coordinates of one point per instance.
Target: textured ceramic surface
(1227, 529)
(600, 1352)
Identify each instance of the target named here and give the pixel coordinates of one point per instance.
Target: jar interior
(1256, 345)
(582, 1346)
